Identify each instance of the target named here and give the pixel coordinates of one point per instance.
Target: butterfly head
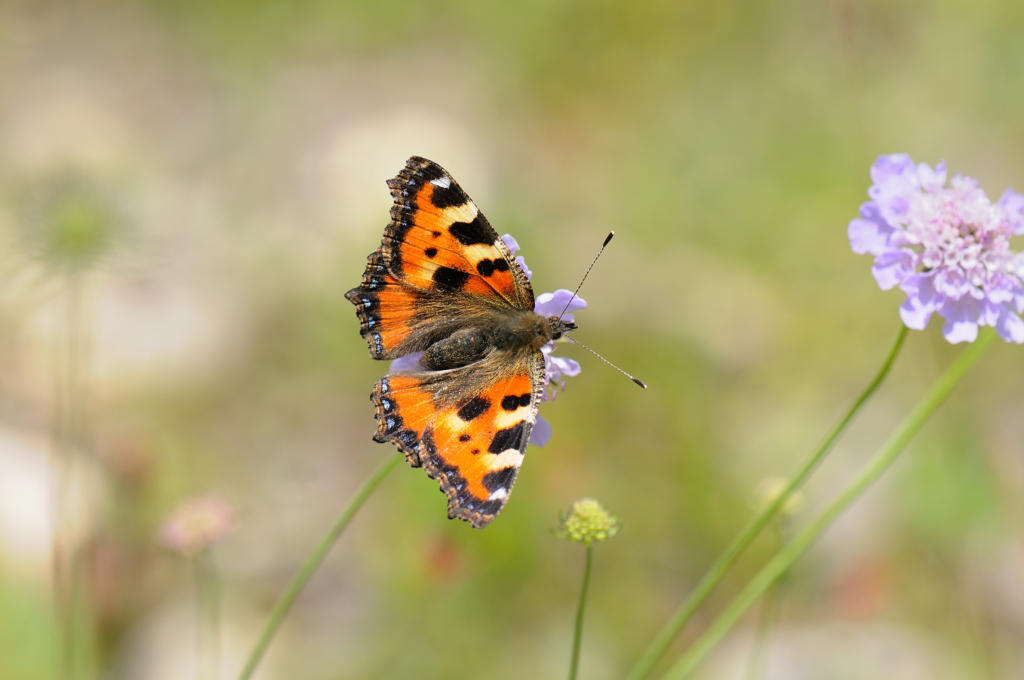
(558, 327)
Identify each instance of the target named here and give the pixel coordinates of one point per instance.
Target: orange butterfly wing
(471, 439)
(441, 268)
(439, 240)
(386, 308)
(439, 253)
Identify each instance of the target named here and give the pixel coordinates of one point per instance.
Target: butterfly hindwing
(467, 427)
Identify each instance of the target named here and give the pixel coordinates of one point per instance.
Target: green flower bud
(769, 490)
(588, 523)
(69, 224)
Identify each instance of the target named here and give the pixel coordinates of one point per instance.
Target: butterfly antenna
(603, 246)
(638, 382)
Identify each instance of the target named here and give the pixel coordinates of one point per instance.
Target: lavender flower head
(552, 304)
(556, 368)
(947, 248)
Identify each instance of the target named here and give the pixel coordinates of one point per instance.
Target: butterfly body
(443, 283)
(501, 332)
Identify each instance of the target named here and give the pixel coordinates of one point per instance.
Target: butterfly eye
(558, 327)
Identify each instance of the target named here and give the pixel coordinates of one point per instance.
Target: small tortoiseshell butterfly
(444, 284)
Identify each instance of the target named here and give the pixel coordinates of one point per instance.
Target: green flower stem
(290, 594)
(785, 558)
(578, 635)
(208, 616)
(74, 489)
(707, 584)
(770, 607)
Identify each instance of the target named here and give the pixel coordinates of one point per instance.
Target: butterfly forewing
(438, 256)
(386, 309)
(439, 240)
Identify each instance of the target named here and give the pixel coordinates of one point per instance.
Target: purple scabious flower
(947, 248)
(552, 304)
(556, 368)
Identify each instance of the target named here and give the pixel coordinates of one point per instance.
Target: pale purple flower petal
(922, 301)
(891, 267)
(410, 362)
(1004, 288)
(552, 304)
(513, 246)
(931, 180)
(556, 370)
(895, 166)
(961, 320)
(541, 432)
(869, 233)
(989, 313)
(526, 270)
(1010, 327)
(1016, 266)
(952, 283)
(947, 248)
(563, 366)
(915, 314)
(1012, 204)
(895, 177)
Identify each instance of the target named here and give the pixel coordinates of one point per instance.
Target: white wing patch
(507, 458)
(443, 182)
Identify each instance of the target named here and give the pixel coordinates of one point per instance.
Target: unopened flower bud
(588, 523)
(769, 490)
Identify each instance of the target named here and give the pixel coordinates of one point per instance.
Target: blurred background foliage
(205, 180)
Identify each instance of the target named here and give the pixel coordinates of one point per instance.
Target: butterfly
(443, 283)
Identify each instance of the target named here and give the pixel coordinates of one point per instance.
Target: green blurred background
(196, 185)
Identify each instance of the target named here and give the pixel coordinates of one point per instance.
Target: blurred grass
(728, 145)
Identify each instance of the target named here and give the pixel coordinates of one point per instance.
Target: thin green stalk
(287, 598)
(578, 634)
(73, 489)
(707, 584)
(762, 637)
(770, 607)
(208, 617)
(77, 618)
(785, 558)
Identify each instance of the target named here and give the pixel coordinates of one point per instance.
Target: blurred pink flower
(197, 524)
